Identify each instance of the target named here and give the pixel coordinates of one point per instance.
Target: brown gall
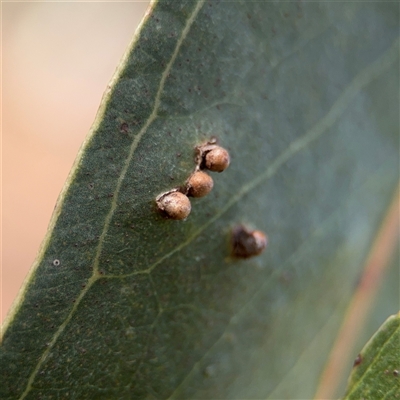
(174, 205)
(217, 159)
(247, 243)
(199, 184)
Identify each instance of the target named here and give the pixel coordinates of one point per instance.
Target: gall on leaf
(174, 205)
(247, 243)
(212, 157)
(199, 184)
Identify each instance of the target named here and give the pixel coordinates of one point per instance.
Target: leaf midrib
(96, 274)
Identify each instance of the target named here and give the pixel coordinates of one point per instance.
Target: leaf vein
(366, 76)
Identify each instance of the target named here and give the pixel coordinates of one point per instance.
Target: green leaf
(305, 98)
(385, 302)
(376, 370)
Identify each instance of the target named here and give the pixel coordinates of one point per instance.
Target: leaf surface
(376, 371)
(122, 303)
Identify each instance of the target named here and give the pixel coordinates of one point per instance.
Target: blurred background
(57, 59)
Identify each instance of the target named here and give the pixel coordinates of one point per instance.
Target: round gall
(174, 205)
(217, 159)
(199, 184)
(246, 243)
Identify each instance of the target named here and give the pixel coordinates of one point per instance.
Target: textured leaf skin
(305, 97)
(376, 374)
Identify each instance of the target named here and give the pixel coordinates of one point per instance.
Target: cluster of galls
(175, 204)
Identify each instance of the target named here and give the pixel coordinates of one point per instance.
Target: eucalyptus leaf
(376, 370)
(385, 303)
(123, 303)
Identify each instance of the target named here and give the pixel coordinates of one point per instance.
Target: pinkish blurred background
(57, 59)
